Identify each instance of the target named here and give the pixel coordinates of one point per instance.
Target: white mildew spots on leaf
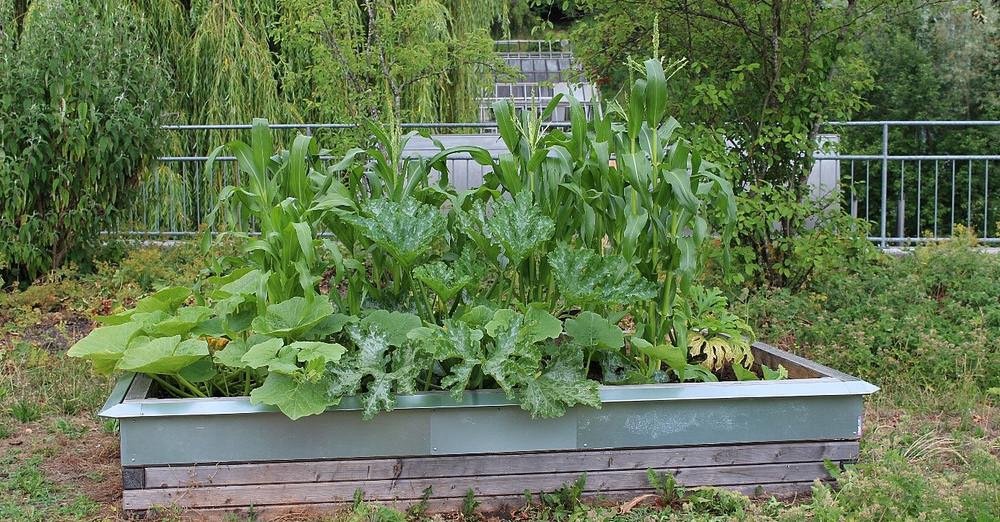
(583, 276)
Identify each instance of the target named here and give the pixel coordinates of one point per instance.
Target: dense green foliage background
(80, 121)
(764, 77)
(80, 102)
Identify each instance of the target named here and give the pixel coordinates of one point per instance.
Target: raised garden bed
(219, 455)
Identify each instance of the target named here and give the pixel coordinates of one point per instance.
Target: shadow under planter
(221, 455)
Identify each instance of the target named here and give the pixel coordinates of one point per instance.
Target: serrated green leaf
(584, 277)
(697, 372)
(394, 325)
(374, 336)
(295, 396)
(247, 284)
(285, 362)
(743, 374)
(164, 355)
(378, 396)
(515, 355)
(519, 226)
(591, 330)
(477, 316)
(291, 318)
(323, 353)
(104, 346)
(330, 325)
(535, 325)
(202, 370)
(166, 300)
(404, 229)
(561, 385)
(442, 279)
(454, 341)
(675, 357)
(774, 375)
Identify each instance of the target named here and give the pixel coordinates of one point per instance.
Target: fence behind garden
(912, 197)
(909, 198)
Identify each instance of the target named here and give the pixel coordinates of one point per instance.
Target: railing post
(885, 180)
(901, 204)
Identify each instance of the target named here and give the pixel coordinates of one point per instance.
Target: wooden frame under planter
(224, 454)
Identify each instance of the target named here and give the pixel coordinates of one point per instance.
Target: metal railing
(532, 47)
(908, 198)
(915, 197)
(176, 195)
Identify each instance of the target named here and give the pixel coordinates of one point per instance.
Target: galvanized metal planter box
(224, 454)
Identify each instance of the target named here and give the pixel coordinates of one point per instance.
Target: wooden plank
(133, 478)
(494, 504)
(521, 463)
(602, 481)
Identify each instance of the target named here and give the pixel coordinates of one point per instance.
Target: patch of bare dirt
(57, 331)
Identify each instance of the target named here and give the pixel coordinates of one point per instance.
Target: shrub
(80, 102)
(784, 240)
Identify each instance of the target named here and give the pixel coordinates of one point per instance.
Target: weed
(25, 411)
(566, 499)
(665, 485)
(717, 502)
(109, 426)
(469, 505)
(418, 511)
(26, 495)
(68, 429)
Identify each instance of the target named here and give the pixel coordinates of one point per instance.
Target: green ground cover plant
(370, 277)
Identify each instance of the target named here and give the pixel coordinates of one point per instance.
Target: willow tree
(414, 60)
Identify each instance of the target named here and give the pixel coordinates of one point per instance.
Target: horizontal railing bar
(943, 123)
(429, 125)
(938, 157)
(926, 239)
(819, 157)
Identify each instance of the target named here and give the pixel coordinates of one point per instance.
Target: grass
(924, 327)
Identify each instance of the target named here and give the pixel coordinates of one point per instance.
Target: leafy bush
(929, 318)
(370, 279)
(80, 99)
(784, 239)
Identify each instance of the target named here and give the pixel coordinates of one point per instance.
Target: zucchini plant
(574, 264)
